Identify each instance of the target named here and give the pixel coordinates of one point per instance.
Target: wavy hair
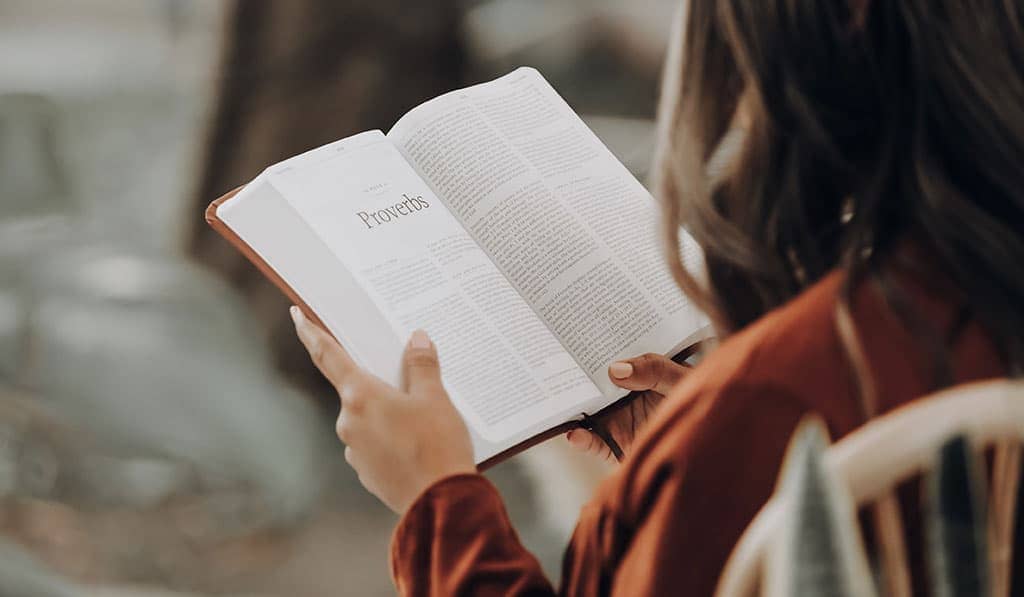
(864, 124)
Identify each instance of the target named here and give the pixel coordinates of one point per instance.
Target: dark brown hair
(864, 124)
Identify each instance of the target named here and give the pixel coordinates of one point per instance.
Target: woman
(864, 247)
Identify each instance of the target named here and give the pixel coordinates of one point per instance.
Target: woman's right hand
(652, 377)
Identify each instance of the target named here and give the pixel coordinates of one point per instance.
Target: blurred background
(161, 431)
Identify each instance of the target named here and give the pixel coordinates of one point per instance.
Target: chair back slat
(1005, 485)
(892, 546)
(874, 459)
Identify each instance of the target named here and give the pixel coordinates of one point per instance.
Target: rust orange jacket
(665, 522)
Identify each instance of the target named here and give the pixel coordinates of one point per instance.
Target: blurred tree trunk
(296, 75)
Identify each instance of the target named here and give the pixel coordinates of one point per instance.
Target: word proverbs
(408, 206)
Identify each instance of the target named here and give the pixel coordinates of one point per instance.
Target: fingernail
(296, 314)
(620, 369)
(419, 339)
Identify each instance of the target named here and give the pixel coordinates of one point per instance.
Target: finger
(328, 356)
(647, 372)
(586, 441)
(343, 428)
(352, 458)
(421, 372)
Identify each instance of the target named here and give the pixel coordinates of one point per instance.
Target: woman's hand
(399, 441)
(652, 376)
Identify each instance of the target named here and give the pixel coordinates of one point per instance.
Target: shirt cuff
(450, 502)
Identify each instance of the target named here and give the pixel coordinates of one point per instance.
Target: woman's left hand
(399, 441)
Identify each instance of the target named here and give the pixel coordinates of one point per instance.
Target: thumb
(421, 372)
(647, 372)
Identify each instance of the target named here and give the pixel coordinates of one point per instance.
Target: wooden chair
(890, 449)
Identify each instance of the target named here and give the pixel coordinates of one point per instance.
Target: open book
(495, 220)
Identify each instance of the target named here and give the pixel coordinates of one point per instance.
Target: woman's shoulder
(749, 393)
(792, 352)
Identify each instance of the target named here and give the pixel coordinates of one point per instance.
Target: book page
(569, 226)
(505, 371)
(261, 217)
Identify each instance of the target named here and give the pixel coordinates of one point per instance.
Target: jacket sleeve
(690, 492)
(662, 524)
(456, 539)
